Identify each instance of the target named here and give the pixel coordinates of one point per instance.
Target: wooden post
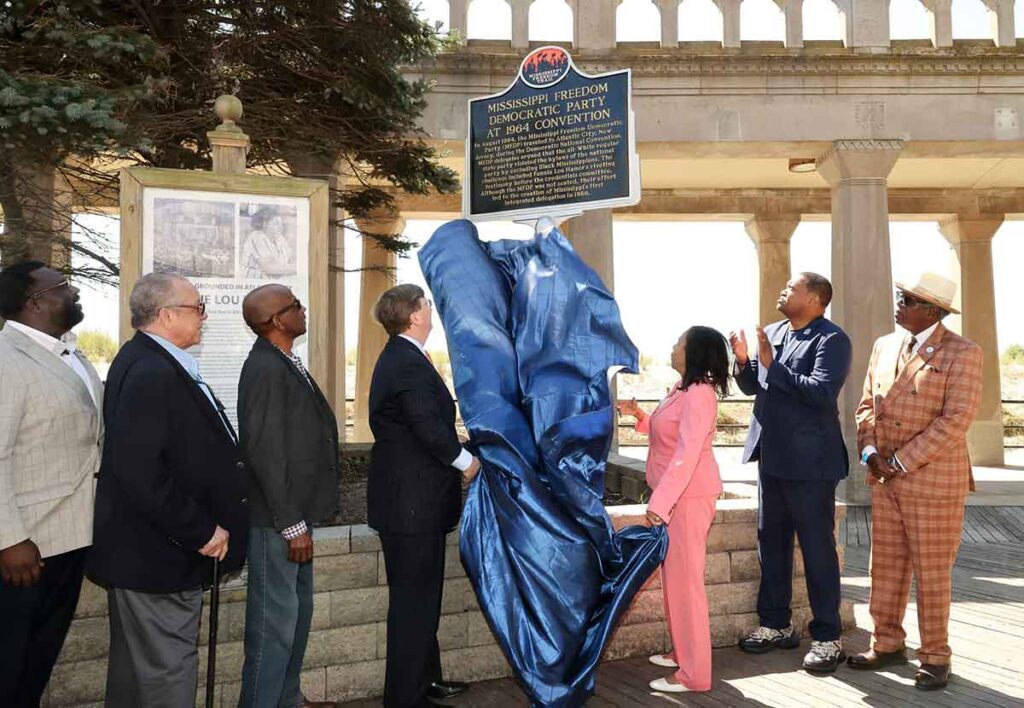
(230, 145)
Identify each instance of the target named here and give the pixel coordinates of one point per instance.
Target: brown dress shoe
(932, 677)
(872, 660)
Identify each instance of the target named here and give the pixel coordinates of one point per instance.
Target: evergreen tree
(90, 85)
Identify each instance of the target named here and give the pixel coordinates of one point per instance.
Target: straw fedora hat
(933, 289)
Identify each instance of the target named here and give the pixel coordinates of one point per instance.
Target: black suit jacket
(289, 439)
(412, 488)
(170, 473)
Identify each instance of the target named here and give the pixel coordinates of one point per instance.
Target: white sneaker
(660, 660)
(663, 686)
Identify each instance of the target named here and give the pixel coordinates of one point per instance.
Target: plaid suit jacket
(923, 414)
(51, 434)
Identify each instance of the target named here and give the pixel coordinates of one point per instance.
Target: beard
(69, 316)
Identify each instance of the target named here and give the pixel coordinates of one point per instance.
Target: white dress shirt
(465, 459)
(63, 349)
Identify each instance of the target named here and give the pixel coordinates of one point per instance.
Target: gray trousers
(153, 661)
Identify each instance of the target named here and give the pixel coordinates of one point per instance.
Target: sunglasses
(296, 304)
(910, 301)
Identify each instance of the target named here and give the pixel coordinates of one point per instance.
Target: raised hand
(738, 342)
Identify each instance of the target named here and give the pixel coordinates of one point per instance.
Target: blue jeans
(278, 613)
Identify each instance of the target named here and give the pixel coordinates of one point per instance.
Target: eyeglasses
(296, 304)
(62, 284)
(200, 308)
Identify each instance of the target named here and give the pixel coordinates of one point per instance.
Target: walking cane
(211, 649)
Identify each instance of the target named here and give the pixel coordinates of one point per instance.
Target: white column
(378, 274)
(520, 23)
(793, 10)
(458, 18)
(591, 238)
(730, 10)
(940, 15)
(867, 24)
(593, 24)
(669, 10)
(771, 236)
(971, 239)
(1000, 16)
(862, 303)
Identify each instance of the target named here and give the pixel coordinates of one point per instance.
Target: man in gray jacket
(289, 437)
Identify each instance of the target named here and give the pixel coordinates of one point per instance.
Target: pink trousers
(682, 581)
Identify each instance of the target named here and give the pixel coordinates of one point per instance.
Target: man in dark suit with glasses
(171, 495)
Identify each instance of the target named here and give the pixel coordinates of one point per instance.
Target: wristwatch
(865, 456)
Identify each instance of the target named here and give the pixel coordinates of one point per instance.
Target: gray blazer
(289, 438)
(51, 437)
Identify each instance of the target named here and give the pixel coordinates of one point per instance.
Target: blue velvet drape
(533, 333)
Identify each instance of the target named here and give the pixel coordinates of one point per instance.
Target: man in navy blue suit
(796, 375)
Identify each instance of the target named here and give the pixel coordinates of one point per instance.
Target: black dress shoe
(442, 690)
(932, 677)
(872, 660)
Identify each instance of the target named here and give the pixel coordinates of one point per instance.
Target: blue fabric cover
(532, 333)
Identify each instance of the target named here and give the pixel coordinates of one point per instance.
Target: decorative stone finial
(229, 109)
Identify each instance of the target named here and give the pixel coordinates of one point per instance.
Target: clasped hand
(880, 469)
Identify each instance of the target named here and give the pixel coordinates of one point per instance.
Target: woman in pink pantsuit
(682, 471)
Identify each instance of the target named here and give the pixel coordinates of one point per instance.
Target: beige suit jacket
(51, 437)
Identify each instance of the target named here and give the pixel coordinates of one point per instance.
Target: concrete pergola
(912, 130)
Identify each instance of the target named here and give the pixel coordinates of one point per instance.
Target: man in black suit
(414, 494)
(171, 493)
(289, 439)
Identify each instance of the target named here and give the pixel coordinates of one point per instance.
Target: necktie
(907, 353)
(427, 354)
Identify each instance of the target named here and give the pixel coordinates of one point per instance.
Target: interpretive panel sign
(556, 141)
(228, 234)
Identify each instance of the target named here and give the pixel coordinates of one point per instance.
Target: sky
(708, 268)
(638, 20)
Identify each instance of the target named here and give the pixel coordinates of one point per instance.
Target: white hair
(152, 293)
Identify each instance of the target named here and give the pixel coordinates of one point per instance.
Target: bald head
(265, 308)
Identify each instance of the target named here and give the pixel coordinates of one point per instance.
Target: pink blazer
(680, 462)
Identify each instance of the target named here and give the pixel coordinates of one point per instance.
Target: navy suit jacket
(795, 432)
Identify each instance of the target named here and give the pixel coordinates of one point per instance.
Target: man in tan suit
(50, 438)
(921, 393)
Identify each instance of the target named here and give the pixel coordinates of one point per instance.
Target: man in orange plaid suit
(921, 393)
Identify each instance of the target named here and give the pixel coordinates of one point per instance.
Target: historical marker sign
(556, 141)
